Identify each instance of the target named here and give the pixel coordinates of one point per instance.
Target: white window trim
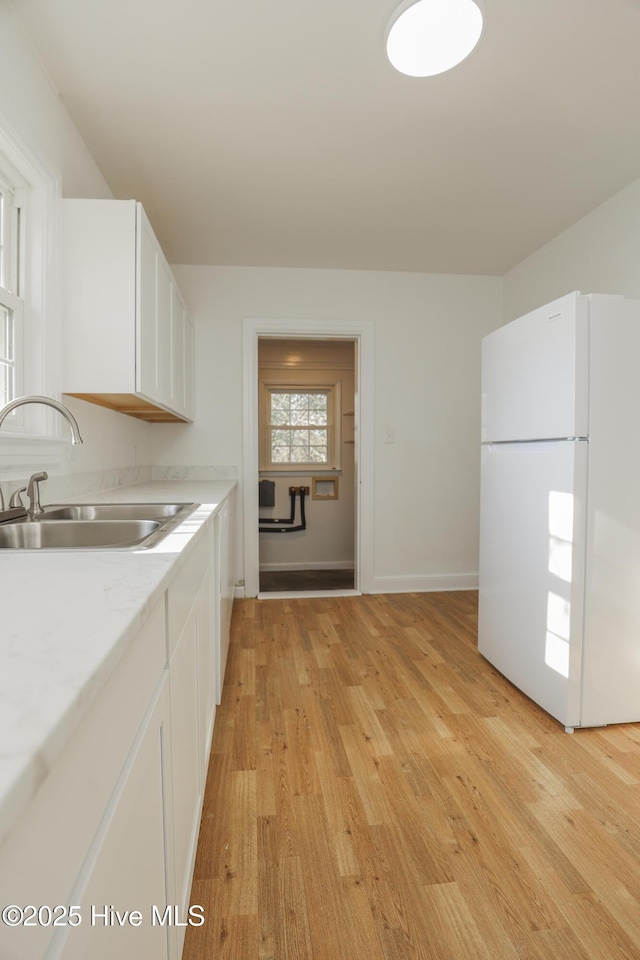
(33, 436)
(333, 389)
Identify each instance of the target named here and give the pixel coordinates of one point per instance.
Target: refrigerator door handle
(504, 443)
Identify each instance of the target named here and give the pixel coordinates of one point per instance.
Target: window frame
(32, 435)
(12, 279)
(332, 389)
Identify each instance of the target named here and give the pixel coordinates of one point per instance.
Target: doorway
(360, 335)
(306, 453)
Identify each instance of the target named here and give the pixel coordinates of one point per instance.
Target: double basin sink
(95, 526)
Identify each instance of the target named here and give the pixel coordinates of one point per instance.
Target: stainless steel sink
(95, 526)
(75, 534)
(114, 511)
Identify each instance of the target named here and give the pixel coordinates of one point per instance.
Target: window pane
(6, 355)
(279, 416)
(280, 403)
(6, 349)
(299, 455)
(318, 455)
(6, 384)
(317, 417)
(280, 455)
(299, 417)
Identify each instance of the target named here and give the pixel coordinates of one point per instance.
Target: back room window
(299, 427)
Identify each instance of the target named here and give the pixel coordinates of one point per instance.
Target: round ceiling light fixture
(427, 37)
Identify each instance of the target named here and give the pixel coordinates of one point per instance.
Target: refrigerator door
(532, 533)
(535, 374)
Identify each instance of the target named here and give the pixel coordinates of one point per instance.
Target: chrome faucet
(48, 402)
(33, 490)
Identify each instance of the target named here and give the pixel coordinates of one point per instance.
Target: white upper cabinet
(128, 336)
(181, 373)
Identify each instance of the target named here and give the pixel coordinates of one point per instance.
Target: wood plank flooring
(377, 791)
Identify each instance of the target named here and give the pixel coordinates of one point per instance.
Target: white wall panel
(428, 330)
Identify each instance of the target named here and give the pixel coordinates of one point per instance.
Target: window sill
(301, 472)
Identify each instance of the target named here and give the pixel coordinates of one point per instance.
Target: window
(30, 300)
(299, 427)
(11, 306)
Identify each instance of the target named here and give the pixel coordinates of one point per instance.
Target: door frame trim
(362, 331)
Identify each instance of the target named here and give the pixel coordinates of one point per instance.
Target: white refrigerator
(559, 574)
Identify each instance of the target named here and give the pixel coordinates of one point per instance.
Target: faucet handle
(33, 493)
(15, 500)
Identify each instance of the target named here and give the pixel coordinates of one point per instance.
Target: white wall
(598, 254)
(30, 105)
(427, 385)
(31, 110)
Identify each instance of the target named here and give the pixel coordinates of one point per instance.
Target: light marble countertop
(66, 618)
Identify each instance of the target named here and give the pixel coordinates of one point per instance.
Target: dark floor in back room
(280, 581)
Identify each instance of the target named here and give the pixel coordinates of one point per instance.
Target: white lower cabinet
(208, 601)
(62, 844)
(111, 835)
(123, 899)
(225, 572)
(191, 671)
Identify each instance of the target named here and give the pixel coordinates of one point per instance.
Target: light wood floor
(377, 790)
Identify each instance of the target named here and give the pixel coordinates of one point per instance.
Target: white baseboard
(431, 584)
(308, 565)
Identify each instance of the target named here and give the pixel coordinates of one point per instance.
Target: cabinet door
(178, 319)
(189, 371)
(191, 671)
(48, 851)
(225, 557)
(99, 294)
(147, 344)
(206, 667)
(181, 357)
(126, 869)
(164, 334)
(185, 756)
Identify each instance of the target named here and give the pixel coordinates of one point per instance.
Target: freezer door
(532, 569)
(534, 374)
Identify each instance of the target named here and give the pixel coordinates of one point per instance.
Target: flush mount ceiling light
(426, 37)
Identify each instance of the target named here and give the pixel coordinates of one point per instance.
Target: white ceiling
(274, 132)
